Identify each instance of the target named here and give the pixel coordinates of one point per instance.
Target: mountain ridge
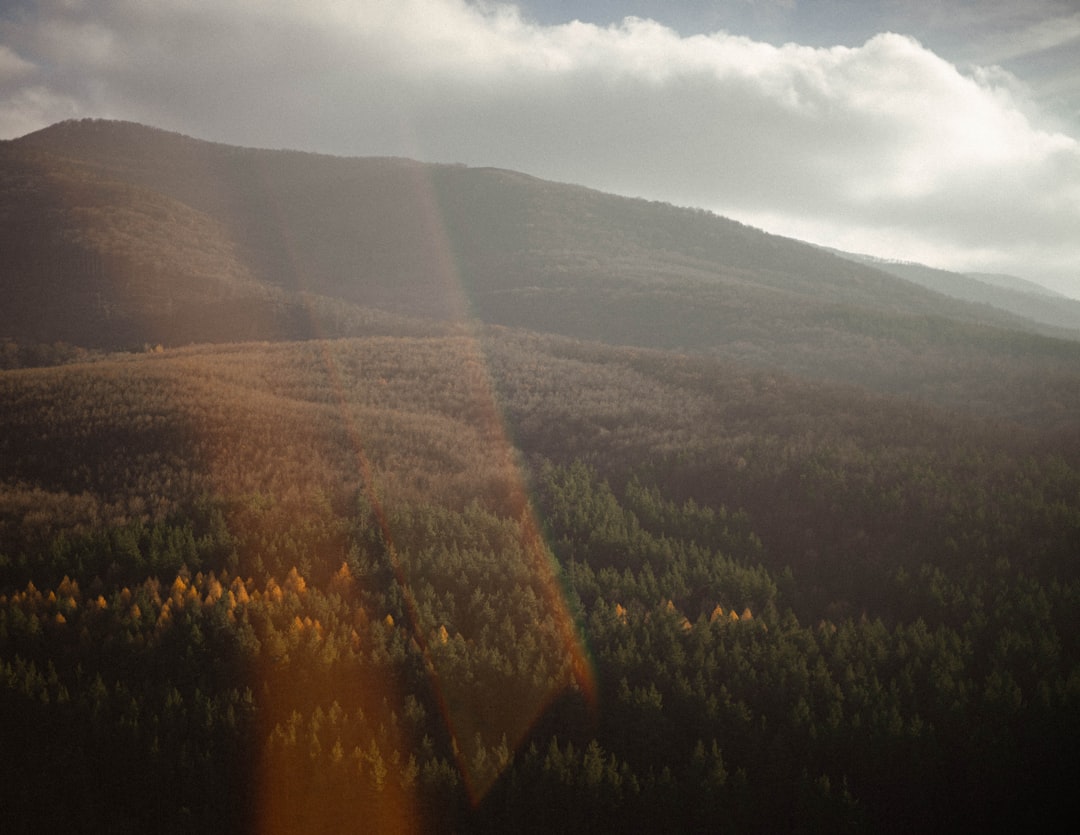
(1011, 294)
(485, 211)
(589, 490)
(119, 235)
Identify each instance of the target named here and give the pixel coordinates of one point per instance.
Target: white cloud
(29, 108)
(12, 67)
(882, 147)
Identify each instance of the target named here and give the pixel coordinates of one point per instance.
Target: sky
(940, 131)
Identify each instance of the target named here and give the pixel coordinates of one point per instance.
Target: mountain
(753, 538)
(1006, 293)
(1012, 282)
(117, 235)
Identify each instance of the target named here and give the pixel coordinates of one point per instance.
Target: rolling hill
(434, 499)
(116, 235)
(1003, 292)
(288, 585)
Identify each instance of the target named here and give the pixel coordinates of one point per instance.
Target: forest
(372, 495)
(488, 580)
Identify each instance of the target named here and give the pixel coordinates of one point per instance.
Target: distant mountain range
(1004, 292)
(1012, 282)
(116, 235)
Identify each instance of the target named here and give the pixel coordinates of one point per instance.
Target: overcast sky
(928, 130)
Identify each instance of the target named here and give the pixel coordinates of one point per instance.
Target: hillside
(286, 585)
(342, 493)
(1012, 282)
(1003, 292)
(122, 235)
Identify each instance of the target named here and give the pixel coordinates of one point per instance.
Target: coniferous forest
(415, 574)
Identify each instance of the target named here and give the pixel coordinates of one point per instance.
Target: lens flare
(477, 715)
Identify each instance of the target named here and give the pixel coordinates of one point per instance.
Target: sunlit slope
(164, 238)
(97, 261)
(100, 261)
(243, 420)
(348, 225)
(324, 470)
(285, 435)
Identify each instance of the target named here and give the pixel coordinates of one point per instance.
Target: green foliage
(803, 606)
(346, 583)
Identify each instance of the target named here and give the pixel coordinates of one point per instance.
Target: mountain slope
(123, 234)
(301, 583)
(1012, 282)
(1012, 295)
(371, 230)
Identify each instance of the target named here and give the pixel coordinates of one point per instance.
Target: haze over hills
(599, 510)
(117, 234)
(1013, 282)
(1003, 292)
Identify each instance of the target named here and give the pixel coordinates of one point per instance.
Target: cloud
(1037, 37)
(12, 67)
(884, 147)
